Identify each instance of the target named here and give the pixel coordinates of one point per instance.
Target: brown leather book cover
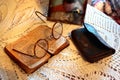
(22, 50)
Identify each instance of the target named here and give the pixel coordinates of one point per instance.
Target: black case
(90, 44)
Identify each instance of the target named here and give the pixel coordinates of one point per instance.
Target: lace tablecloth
(17, 18)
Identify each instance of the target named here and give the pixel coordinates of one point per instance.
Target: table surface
(17, 18)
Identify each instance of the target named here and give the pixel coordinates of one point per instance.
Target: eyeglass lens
(57, 30)
(41, 47)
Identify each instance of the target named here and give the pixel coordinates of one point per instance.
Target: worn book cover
(29, 53)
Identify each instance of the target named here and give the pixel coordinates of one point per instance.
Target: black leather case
(90, 44)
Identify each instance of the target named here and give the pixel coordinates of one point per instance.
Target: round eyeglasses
(42, 46)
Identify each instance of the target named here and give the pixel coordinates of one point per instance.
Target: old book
(23, 50)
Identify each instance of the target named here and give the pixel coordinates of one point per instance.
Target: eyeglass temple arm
(37, 12)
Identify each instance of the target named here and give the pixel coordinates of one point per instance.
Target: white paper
(108, 29)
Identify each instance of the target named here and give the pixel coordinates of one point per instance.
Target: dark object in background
(68, 11)
(69, 1)
(90, 44)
